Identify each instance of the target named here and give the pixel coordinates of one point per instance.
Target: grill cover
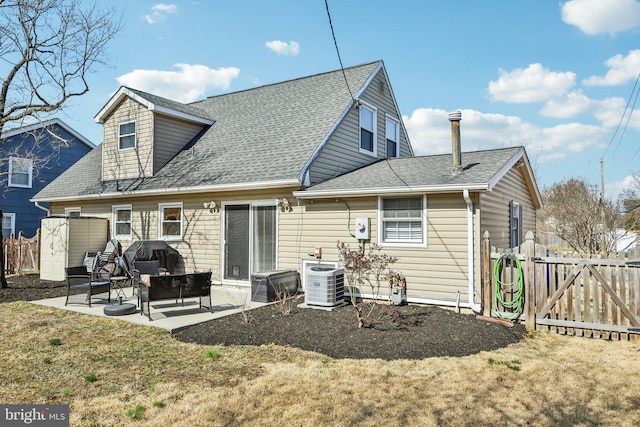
(149, 250)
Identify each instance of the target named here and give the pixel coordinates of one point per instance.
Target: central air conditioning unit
(324, 286)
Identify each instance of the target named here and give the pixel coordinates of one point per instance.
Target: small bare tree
(362, 268)
(580, 217)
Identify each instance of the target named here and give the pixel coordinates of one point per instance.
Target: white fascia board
(180, 190)
(367, 192)
(520, 156)
(125, 92)
(324, 142)
(47, 123)
(181, 115)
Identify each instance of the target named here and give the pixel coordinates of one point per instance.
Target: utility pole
(602, 206)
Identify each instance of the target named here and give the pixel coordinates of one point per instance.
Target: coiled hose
(516, 303)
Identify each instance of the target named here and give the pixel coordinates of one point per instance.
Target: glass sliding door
(250, 240)
(264, 239)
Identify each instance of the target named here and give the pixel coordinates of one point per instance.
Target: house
(254, 181)
(31, 157)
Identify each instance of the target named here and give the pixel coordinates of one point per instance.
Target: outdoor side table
(118, 283)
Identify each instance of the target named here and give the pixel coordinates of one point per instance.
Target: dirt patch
(401, 332)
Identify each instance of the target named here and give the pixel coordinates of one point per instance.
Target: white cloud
(621, 70)
(185, 85)
(532, 84)
(614, 189)
(602, 16)
(159, 11)
(430, 133)
(568, 105)
(284, 48)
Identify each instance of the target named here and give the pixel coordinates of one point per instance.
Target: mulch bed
(398, 332)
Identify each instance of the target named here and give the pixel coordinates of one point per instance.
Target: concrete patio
(167, 314)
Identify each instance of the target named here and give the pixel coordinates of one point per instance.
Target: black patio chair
(82, 282)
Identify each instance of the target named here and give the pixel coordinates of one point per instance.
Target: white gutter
(265, 185)
(43, 208)
(366, 192)
(470, 252)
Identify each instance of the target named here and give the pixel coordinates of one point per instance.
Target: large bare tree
(47, 50)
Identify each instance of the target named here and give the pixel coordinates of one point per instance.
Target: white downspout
(470, 251)
(48, 211)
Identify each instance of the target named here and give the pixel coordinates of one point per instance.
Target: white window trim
(161, 207)
(114, 217)
(373, 109)
(30, 163)
(397, 136)
(135, 135)
(69, 211)
(12, 217)
(406, 244)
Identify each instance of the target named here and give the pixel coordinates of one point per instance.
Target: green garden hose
(515, 305)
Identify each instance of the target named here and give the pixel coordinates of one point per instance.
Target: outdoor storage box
(65, 240)
(266, 286)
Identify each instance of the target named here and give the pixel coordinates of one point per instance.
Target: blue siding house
(30, 158)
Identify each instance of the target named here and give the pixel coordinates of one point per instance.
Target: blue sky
(552, 76)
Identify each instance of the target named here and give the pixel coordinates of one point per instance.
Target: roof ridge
(339, 70)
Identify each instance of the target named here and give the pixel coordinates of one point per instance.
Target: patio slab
(167, 314)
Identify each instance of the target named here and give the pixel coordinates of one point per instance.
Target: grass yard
(114, 373)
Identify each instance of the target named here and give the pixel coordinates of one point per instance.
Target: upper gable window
(368, 118)
(20, 172)
(393, 136)
(127, 135)
(170, 221)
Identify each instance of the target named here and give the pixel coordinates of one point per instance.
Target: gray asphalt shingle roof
(419, 173)
(264, 134)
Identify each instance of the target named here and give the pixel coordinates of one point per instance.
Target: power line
(335, 42)
(613, 137)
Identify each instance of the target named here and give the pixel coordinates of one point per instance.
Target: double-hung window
(403, 221)
(515, 224)
(368, 118)
(20, 172)
(170, 221)
(121, 222)
(127, 135)
(393, 136)
(8, 225)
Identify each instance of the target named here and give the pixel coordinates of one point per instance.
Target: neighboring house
(254, 181)
(31, 157)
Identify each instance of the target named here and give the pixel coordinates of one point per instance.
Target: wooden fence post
(486, 274)
(528, 250)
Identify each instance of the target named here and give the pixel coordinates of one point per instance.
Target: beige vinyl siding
(342, 153)
(437, 272)
(494, 206)
(130, 163)
(170, 136)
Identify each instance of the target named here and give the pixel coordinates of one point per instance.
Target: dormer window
(127, 135)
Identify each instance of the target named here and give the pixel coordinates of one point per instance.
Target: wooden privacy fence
(567, 294)
(21, 254)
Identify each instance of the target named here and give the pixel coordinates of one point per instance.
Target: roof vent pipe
(454, 118)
